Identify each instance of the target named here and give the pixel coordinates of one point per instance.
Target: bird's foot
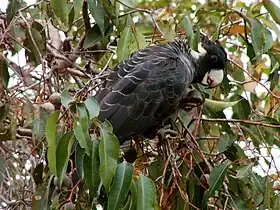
(193, 99)
(166, 132)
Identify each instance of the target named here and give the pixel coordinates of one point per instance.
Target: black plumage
(146, 88)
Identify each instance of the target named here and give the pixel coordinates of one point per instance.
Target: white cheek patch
(215, 77)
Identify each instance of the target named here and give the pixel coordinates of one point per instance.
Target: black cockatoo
(148, 87)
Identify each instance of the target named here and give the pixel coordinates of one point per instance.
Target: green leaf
(215, 181)
(17, 32)
(77, 8)
(168, 30)
(66, 99)
(13, 7)
(4, 73)
(268, 40)
(93, 36)
(251, 132)
(274, 79)
(91, 169)
(109, 148)
(217, 106)
(38, 174)
(257, 37)
(36, 45)
(43, 195)
(60, 10)
(62, 155)
(99, 14)
(50, 131)
(188, 26)
(124, 43)
(79, 160)
(273, 9)
(92, 107)
(241, 110)
(146, 193)
(139, 41)
(243, 171)
(81, 130)
(272, 25)
(71, 16)
(120, 186)
(133, 191)
(226, 141)
(194, 40)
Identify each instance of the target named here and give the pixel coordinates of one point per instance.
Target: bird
(148, 87)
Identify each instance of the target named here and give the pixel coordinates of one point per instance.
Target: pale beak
(213, 78)
(201, 52)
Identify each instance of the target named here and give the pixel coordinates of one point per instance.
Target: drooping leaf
(60, 9)
(65, 98)
(91, 169)
(71, 16)
(241, 110)
(77, 8)
(217, 106)
(36, 46)
(138, 41)
(257, 37)
(108, 152)
(168, 30)
(13, 7)
(99, 14)
(92, 107)
(125, 40)
(215, 181)
(62, 155)
(146, 193)
(268, 40)
(38, 174)
(40, 200)
(134, 198)
(243, 171)
(79, 160)
(273, 9)
(120, 186)
(93, 36)
(50, 131)
(271, 24)
(188, 26)
(81, 131)
(226, 141)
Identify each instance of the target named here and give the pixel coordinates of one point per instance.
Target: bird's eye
(214, 58)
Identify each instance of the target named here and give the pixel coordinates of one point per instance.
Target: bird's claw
(166, 132)
(193, 99)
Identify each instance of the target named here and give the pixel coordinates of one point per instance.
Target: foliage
(56, 154)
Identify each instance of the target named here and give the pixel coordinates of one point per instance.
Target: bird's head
(210, 62)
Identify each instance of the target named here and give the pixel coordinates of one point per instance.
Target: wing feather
(143, 90)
